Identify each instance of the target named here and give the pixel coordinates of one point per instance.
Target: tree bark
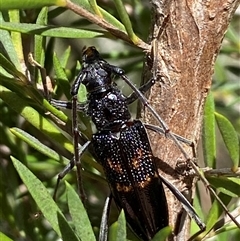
(190, 39)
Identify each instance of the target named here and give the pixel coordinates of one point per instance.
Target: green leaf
(121, 227)
(125, 20)
(8, 46)
(163, 234)
(208, 134)
(212, 217)
(28, 4)
(222, 233)
(61, 77)
(52, 31)
(214, 213)
(198, 208)
(3, 237)
(230, 138)
(45, 202)
(11, 69)
(65, 57)
(228, 186)
(95, 7)
(32, 116)
(14, 17)
(24, 88)
(39, 41)
(82, 94)
(106, 15)
(37, 145)
(79, 216)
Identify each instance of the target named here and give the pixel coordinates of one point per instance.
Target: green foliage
(220, 135)
(39, 136)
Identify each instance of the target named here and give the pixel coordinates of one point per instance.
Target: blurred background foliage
(18, 208)
(226, 83)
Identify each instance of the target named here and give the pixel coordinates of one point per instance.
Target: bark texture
(189, 41)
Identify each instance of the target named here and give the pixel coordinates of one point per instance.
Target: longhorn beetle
(122, 147)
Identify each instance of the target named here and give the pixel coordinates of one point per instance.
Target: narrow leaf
(198, 208)
(37, 145)
(212, 217)
(32, 116)
(43, 199)
(61, 77)
(95, 7)
(125, 20)
(85, 4)
(3, 237)
(121, 227)
(79, 216)
(14, 17)
(52, 31)
(228, 186)
(65, 57)
(230, 138)
(28, 4)
(214, 213)
(208, 135)
(11, 69)
(25, 88)
(40, 41)
(8, 45)
(162, 234)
